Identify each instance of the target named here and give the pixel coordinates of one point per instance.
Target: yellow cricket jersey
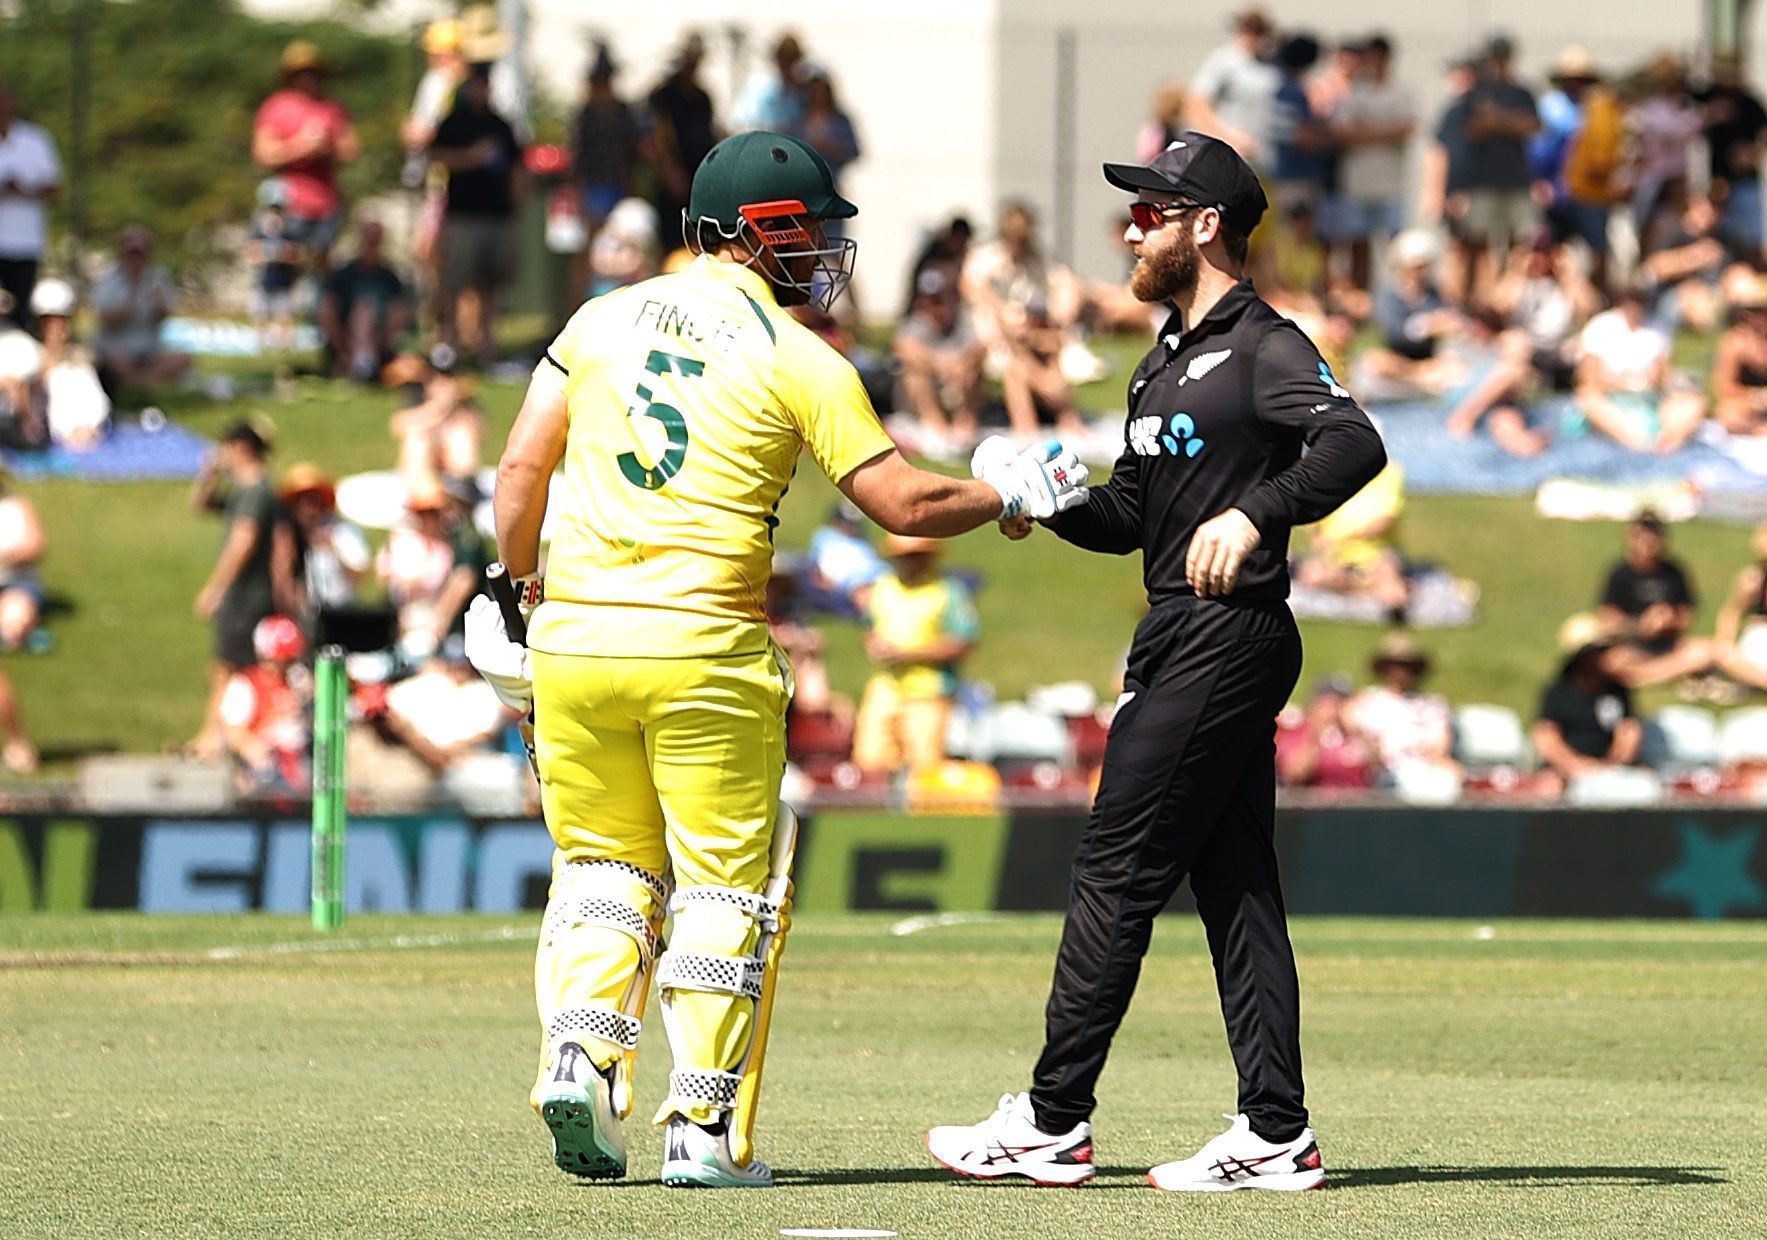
(690, 397)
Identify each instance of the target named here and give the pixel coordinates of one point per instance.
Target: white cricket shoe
(1009, 1142)
(1240, 1158)
(577, 1105)
(698, 1157)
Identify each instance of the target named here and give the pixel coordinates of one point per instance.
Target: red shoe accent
(1083, 1154)
(1312, 1161)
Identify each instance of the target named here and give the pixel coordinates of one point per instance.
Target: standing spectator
(30, 177)
(920, 626)
(606, 144)
(302, 135)
(683, 130)
(1372, 126)
(22, 546)
(364, 308)
(939, 362)
(133, 300)
(266, 709)
(1447, 169)
(1740, 644)
(1739, 371)
(773, 99)
(1647, 604)
(1164, 123)
(325, 557)
(1664, 126)
(1319, 749)
(486, 182)
(445, 68)
(241, 589)
(1625, 389)
(1735, 126)
(1495, 118)
(1302, 141)
(825, 126)
(1233, 95)
(1326, 91)
(1576, 155)
(1412, 730)
(275, 257)
(1586, 722)
(75, 407)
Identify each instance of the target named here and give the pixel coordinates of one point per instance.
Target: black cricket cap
(1201, 170)
(254, 437)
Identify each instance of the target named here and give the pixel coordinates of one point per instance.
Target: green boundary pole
(331, 695)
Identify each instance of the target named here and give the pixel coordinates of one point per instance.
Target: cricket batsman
(677, 409)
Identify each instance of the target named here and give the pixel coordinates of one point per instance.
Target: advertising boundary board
(1460, 862)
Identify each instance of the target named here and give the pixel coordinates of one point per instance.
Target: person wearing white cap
(1414, 321)
(74, 401)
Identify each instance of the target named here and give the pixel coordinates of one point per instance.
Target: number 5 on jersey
(655, 477)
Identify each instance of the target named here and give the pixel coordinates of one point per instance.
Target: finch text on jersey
(672, 320)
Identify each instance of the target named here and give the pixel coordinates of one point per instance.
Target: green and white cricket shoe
(577, 1105)
(699, 1157)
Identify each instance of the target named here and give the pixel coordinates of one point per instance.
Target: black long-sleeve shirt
(1218, 416)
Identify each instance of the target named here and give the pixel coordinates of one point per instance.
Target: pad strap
(715, 1089)
(610, 1026)
(574, 872)
(764, 911)
(730, 975)
(601, 911)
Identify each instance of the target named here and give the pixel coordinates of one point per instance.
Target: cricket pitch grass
(243, 1076)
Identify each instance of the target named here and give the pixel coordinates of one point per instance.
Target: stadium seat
(1679, 738)
(1615, 787)
(1743, 739)
(1486, 735)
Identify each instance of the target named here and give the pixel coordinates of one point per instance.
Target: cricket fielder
(677, 409)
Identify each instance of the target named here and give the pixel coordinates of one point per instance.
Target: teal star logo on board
(1713, 874)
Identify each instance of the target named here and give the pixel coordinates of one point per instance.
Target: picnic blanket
(129, 453)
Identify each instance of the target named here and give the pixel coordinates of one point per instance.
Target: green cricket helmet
(770, 190)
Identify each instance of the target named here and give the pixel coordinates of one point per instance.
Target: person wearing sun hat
(331, 556)
(302, 135)
(920, 624)
(1586, 721)
(1410, 728)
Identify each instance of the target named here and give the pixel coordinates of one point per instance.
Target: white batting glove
(502, 662)
(992, 453)
(1037, 483)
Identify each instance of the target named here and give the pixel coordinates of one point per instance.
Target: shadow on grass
(1541, 1177)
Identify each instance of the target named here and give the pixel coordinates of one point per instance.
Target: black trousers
(18, 276)
(1189, 787)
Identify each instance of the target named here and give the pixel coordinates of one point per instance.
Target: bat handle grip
(503, 594)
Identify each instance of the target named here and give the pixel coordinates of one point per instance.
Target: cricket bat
(503, 594)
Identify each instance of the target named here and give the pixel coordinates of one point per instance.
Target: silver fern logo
(1203, 363)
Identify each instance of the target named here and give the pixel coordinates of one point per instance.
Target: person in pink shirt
(301, 136)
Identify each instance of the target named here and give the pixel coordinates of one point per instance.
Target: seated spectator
(624, 250)
(842, 563)
(133, 299)
(1412, 730)
(1685, 259)
(1647, 605)
(946, 249)
(327, 557)
(265, 720)
(22, 426)
(1318, 748)
(920, 626)
(1025, 310)
(1740, 645)
(1586, 721)
(364, 308)
(431, 567)
(448, 717)
(75, 407)
(441, 434)
(1414, 321)
(1739, 371)
(1624, 387)
(22, 545)
(1544, 298)
(1353, 549)
(275, 257)
(939, 359)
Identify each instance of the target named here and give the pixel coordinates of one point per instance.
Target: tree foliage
(171, 90)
